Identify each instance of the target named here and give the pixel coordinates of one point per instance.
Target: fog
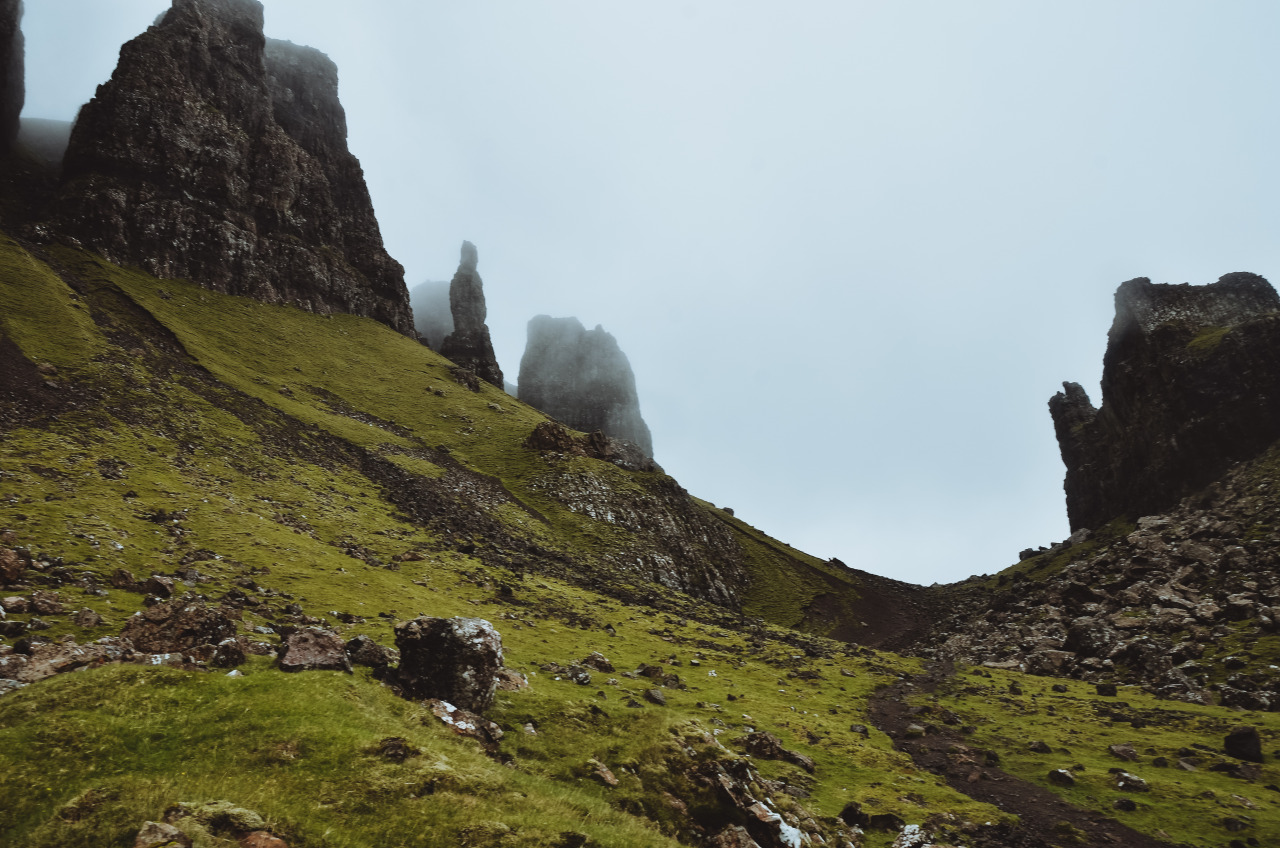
(851, 249)
(432, 316)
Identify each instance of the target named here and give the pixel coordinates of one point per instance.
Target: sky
(850, 248)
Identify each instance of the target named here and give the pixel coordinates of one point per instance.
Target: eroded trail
(1046, 820)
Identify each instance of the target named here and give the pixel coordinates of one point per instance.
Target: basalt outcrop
(1190, 385)
(219, 155)
(432, 314)
(469, 345)
(12, 62)
(583, 379)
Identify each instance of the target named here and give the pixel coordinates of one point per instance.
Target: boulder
(178, 625)
(314, 649)
(160, 835)
(12, 565)
(455, 660)
(469, 345)
(364, 651)
(1244, 743)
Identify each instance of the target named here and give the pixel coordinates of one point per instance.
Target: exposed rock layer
(582, 378)
(469, 344)
(12, 64)
(218, 155)
(1190, 384)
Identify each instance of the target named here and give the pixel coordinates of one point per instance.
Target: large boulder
(469, 344)
(455, 659)
(582, 378)
(178, 625)
(314, 649)
(217, 155)
(1244, 743)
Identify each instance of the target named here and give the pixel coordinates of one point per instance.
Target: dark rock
(583, 379)
(1062, 777)
(465, 723)
(1106, 690)
(12, 70)
(469, 345)
(1125, 805)
(12, 565)
(1244, 743)
(178, 625)
(769, 747)
(158, 585)
(655, 696)
(598, 661)
(1190, 384)
(87, 619)
(364, 651)
(1040, 747)
(455, 660)
(733, 836)
(432, 314)
(122, 579)
(314, 649)
(230, 653)
(216, 155)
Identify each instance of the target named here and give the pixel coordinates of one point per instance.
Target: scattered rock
(1244, 743)
(655, 696)
(1123, 752)
(314, 649)
(12, 566)
(87, 619)
(160, 835)
(178, 625)
(1126, 782)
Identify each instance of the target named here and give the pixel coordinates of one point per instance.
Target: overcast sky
(850, 249)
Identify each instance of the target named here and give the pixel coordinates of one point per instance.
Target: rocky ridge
(469, 344)
(583, 379)
(12, 65)
(1190, 384)
(218, 155)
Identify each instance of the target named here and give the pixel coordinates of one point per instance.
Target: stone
(598, 661)
(1062, 777)
(1244, 743)
(230, 653)
(160, 835)
(455, 660)
(87, 619)
(178, 625)
(469, 345)
(262, 839)
(583, 379)
(601, 773)
(767, 746)
(47, 603)
(16, 604)
(362, 650)
(314, 649)
(510, 680)
(1126, 782)
(217, 155)
(1106, 690)
(220, 817)
(1040, 747)
(1123, 752)
(465, 723)
(1124, 805)
(158, 585)
(396, 749)
(12, 71)
(552, 436)
(733, 836)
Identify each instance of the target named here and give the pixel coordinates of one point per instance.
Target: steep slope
(218, 155)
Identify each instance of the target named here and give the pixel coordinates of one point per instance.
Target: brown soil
(1045, 819)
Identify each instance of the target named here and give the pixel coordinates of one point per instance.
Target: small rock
(1126, 782)
(314, 649)
(601, 772)
(1106, 690)
(597, 661)
(364, 651)
(160, 835)
(1040, 747)
(1125, 805)
(1062, 777)
(262, 839)
(1123, 752)
(655, 696)
(1244, 743)
(87, 619)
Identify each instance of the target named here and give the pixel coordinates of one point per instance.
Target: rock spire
(12, 65)
(218, 155)
(583, 379)
(469, 344)
(1190, 384)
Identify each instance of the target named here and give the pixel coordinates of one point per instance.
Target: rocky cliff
(469, 344)
(432, 314)
(12, 85)
(582, 378)
(220, 156)
(1190, 385)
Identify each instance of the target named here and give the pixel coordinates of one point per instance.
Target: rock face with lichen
(218, 155)
(1190, 385)
(12, 85)
(583, 379)
(469, 344)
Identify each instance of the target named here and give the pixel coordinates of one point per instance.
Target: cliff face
(469, 344)
(582, 378)
(12, 84)
(1190, 384)
(220, 156)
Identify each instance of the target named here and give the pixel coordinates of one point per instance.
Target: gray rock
(364, 651)
(160, 835)
(314, 649)
(469, 345)
(456, 660)
(178, 625)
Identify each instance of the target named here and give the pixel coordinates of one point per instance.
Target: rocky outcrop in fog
(12, 63)
(582, 378)
(1190, 384)
(469, 344)
(432, 315)
(218, 155)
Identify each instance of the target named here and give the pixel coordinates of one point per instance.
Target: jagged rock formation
(582, 378)
(218, 155)
(469, 344)
(1190, 384)
(432, 314)
(12, 63)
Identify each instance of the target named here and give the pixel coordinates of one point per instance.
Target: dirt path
(1044, 816)
(895, 614)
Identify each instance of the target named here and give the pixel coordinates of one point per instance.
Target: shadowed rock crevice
(220, 156)
(469, 344)
(583, 379)
(1190, 384)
